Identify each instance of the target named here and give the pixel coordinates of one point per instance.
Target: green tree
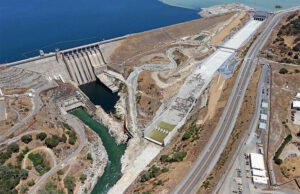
(69, 182)
(283, 71)
(13, 148)
(41, 136)
(26, 138)
(52, 142)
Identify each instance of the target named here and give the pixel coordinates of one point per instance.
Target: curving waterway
(112, 171)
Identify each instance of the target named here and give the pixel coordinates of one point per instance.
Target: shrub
(63, 138)
(23, 189)
(21, 156)
(297, 71)
(186, 136)
(283, 71)
(50, 188)
(165, 169)
(52, 142)
(164, 158)
(151, 173)
(72, 137)
(179, 156)
(41, 136)
(69, 182)
(30, 183)
(26, 138)
(89, 156)
(82, 178)
(38, 163)
(13, 148)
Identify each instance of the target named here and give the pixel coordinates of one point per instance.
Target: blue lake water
(263, 5)
(27, 26)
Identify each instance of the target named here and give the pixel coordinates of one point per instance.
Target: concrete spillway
(76, 70)
(83, 64)
(80, 68)
(89, 65)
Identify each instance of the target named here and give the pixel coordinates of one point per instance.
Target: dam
(80, 65)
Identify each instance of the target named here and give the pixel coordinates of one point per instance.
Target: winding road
(213, 150)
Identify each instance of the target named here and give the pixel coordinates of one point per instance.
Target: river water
(99, 94)
(112, 171)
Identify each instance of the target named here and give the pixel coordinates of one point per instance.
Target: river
(112, 171)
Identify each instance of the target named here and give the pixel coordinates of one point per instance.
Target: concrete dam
(81, 65)
(84, 64)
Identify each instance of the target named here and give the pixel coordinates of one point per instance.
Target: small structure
(260, 15)
(260, 180)
(295, 110)
(263, 117)
(258, 169)
(264, 105)
(262, 126)
(257, 161)
(259, 173)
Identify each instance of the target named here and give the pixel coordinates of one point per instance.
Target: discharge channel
(112, 171)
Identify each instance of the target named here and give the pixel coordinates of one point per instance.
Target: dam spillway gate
(83, 64)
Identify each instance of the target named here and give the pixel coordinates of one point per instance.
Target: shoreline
(100, 160)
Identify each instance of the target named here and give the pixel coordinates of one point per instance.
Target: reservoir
(31, 25)
(112, 171)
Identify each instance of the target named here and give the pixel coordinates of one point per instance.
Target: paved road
(79, 129)
(131, 83)
(37, 105)
(225, 184)
(211, 153)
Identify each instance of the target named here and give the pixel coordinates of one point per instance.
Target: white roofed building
(257, 161)
(264, 117)
(260, 173)
(260, 180)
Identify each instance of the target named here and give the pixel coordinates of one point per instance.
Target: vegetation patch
(276, 158)
(157, 136)
(72, 137)
(52, 142)
(12, 148)
(26, 138)
(51, 188)
(191, 132)
(10, 177)
(177, 156)
(166, 126)
(41, 136)
(38, 163)
(69, 182)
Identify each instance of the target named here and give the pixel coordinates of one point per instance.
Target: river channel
(112, 171)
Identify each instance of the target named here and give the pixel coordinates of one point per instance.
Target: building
(262, 126)
(260, 15)
(260, 180)
(258, 169)
(257, 161)
(295, 110)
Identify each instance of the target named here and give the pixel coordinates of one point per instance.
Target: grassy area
(157, 136)
(166, 126)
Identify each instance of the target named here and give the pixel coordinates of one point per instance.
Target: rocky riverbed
(115, 128)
